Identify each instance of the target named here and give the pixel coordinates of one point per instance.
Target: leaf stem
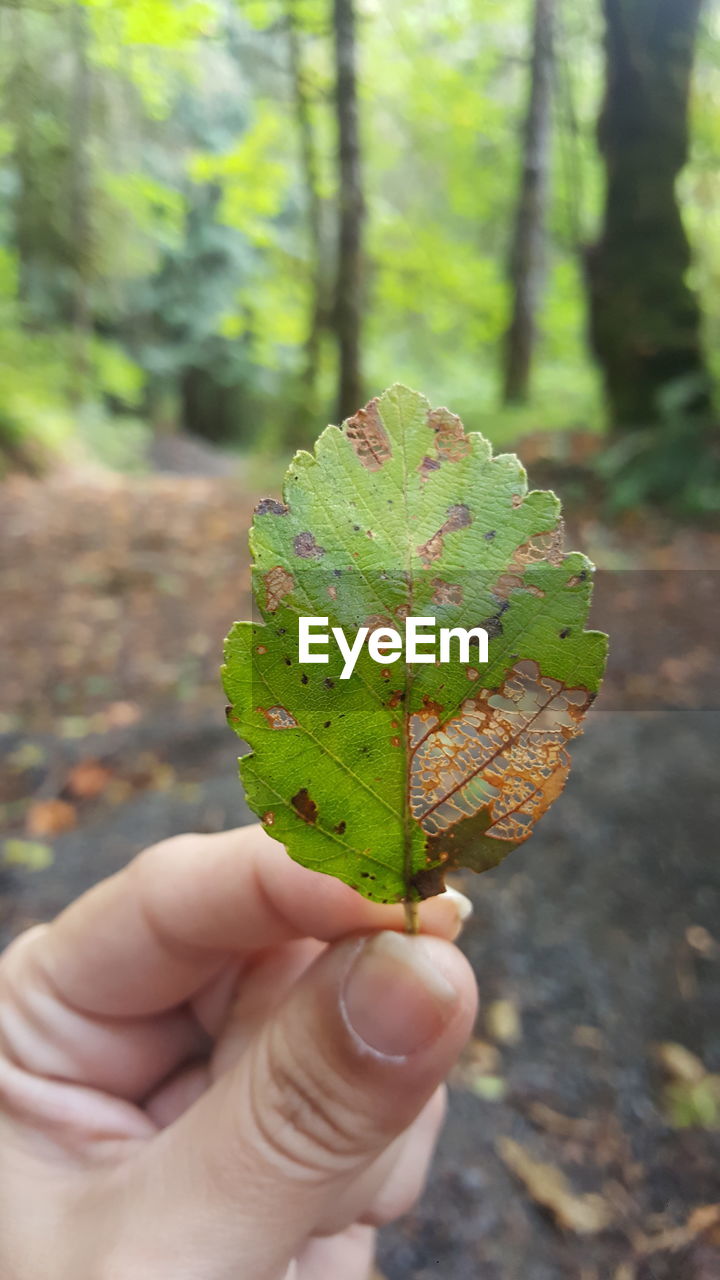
(412, 919)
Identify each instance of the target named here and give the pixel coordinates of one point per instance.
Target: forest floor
(582, 1142)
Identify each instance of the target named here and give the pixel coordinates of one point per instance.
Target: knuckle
(304, 1117)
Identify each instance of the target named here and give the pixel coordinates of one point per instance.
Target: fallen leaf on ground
(585, 1214)
(562, 1126)
(503, 1022)
(88, 779)
(50, 818)
(588, 1038)
(479, 1057)
(30, 854)
(701, 940)
(680, 1063)
(695, 1105)
(670, 1240)
(27, 756)
(120, 715)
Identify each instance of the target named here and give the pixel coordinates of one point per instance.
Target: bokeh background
(224, 223)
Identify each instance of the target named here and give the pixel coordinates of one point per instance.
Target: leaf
(405, 770)
(30, 854)
(547, 1185)
(50, 818)
(88, 779)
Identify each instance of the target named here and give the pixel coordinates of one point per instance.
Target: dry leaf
(679, 1063)
(478, 1058)
(585, 1214)
(120, 715)
(588, 1038)
(87, 779)
(578, 1128)
(503, 1022)
(50, 818)
(701, 940)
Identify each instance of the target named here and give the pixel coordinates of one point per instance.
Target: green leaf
(403, 770)
(33, 855)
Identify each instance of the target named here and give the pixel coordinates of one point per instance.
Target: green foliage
(406, 768)
(174, 219)
(674, 463)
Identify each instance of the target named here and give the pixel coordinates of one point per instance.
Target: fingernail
(446, 913)
(395, 999)
(461, 905)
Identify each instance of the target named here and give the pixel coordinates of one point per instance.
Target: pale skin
(220, 1066)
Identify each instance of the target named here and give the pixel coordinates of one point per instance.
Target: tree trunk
(313, 200)
(527, 259)
(79, 204)
(644, 319)
(349, 284)
(21, 105)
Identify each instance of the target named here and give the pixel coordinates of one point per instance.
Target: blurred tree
(79, 207)
(350, 281)
(317, 318)
(527, 257)
(645, 319)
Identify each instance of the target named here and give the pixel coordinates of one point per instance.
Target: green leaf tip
(388, 767)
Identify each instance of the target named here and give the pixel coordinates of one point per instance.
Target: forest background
(239, 220)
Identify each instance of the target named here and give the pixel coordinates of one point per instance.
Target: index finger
(155, 933)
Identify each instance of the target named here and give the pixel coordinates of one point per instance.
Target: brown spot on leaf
(394, 742)
(305, 546)
(397, 697)
(446, 592)
(278, 717)
(451, 442)
(270, 507)
(340, 828)
(517, 500)
(427, 466)
(458, 517)
(472, 673)
(368, 437)
(332, 592)
(260, 648)
(278, 584)
(378, 622)
(541, 548)
(268, 818)
(503, 757)
(304, 805)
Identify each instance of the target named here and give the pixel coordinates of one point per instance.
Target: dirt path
(593, 946)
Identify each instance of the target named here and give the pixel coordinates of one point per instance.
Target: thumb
(342, 1068)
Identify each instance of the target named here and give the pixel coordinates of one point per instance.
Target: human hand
(213, 1067)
